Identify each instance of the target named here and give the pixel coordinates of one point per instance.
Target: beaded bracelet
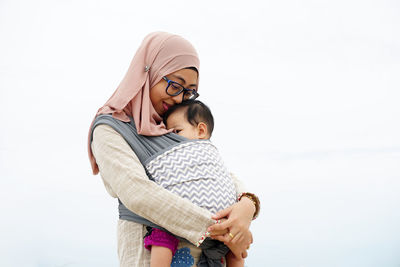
(253, 199)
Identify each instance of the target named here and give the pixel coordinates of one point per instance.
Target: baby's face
(181, 126)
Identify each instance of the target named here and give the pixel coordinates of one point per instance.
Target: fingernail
(209, 229)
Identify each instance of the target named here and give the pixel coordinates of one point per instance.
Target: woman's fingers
(219, 226)
(223, 238)
(237, 238)
(220, 232)
(241, 234)
(229, 238)
(222, 213)
(237, 249)
(244, 254)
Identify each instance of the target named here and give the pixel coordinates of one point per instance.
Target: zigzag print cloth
(195, 171)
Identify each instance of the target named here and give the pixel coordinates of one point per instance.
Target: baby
(191, 119)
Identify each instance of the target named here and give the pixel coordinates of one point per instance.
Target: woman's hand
(238, 249)
(214, 233)
(239, 216)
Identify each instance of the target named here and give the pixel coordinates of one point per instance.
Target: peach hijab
(159, 54)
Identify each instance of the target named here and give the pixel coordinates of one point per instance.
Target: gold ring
(231, 235)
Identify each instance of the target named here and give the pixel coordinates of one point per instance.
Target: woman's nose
(178, 98)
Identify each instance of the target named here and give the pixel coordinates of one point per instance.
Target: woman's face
(161, 100)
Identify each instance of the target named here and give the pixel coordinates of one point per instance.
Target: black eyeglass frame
(193, 93)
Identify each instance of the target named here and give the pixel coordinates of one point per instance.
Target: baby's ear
(202, 131)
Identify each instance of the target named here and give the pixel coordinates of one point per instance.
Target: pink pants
(160, 238)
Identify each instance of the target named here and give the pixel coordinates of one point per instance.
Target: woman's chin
(160, 112)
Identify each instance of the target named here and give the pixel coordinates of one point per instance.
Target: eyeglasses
(174, 89)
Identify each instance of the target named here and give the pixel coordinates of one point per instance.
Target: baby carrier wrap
(192, 169)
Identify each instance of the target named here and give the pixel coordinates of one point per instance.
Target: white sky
(306, 100)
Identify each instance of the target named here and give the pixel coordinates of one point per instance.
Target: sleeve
(125, 178)
(239, 185)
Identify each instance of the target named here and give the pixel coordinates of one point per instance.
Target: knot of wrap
(212, 253)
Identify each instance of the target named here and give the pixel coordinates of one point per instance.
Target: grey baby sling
(187, 159)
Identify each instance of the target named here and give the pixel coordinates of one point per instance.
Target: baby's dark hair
(196, 112)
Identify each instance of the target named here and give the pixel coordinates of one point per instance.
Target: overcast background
(305, 96)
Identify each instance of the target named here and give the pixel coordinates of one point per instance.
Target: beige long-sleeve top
(125, 178)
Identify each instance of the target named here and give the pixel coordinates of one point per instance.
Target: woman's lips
(166, 106)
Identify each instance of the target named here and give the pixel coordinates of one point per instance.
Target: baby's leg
(232, 261)
(160, 257)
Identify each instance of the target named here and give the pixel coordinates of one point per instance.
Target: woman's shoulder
(106, 139)
(105, 132)
(108, 145)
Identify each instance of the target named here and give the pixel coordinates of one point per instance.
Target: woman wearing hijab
(138, 105)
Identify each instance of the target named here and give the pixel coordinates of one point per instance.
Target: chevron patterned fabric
(195, 171)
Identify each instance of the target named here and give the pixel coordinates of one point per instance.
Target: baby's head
(191, 119)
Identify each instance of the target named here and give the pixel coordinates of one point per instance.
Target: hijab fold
(159, 54)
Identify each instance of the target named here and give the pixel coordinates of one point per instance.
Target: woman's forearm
(242, 195)
(126, 178)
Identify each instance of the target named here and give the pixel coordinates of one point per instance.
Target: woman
(142, 95)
